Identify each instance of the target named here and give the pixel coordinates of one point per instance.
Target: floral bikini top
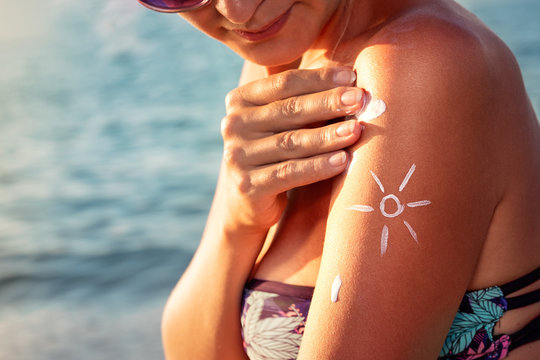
(274, 315)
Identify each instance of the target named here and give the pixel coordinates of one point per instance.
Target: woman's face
(266, 32)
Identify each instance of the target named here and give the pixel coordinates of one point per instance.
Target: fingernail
(351, 97)
(346, 128)
(337, 159)
(344, 77)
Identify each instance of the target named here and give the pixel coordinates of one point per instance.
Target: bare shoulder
(440, 31)
(446, 77)
(456, 102)
(425, 47)
(436, 72)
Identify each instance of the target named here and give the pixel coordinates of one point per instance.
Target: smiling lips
(271, 29)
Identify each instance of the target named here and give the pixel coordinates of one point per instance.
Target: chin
(271, 60)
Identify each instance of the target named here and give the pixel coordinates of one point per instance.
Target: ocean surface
(109, 151)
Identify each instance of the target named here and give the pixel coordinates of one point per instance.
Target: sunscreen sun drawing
(399, 210)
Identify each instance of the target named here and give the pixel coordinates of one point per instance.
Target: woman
(406, 221)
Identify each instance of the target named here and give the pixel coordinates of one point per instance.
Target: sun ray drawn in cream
(377, 181)
(362, 208)
(411, 230)
(399, 208)
(407, 178)
(384, 240)
(419, 203)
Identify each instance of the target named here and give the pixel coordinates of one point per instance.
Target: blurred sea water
(109, 152)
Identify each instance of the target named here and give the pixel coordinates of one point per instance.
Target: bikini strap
(523, 300)
(520, 283)
(274, 287)
(530, 333)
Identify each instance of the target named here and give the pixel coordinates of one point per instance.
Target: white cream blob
(335, 289)
(372, 109)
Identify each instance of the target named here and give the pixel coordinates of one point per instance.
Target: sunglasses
(174, 6)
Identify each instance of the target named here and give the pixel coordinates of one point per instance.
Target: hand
(275, 139)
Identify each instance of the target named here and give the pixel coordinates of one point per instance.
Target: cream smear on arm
(371, 109)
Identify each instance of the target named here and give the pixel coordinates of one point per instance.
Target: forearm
(266, 154)
(202, 316)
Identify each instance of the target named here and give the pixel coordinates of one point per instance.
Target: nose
(237, 11)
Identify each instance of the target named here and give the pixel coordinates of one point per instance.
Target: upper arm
(405, 268)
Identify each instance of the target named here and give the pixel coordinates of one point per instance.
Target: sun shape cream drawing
(372, 108)
(335, 289)
(399, 207)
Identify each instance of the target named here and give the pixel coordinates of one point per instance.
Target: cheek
(207, 20)
(291, 43)
(273, 53)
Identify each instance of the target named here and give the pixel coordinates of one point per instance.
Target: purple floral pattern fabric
(273, 325)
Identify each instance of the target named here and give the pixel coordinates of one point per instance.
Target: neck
(351, 20)
(333, 33)
(270, 70)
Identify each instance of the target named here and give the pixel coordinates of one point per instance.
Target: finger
(284, 176)
(289, 83)
(299, 111)
(302, 143)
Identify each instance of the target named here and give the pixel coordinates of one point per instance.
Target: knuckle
(233, 154)
(244, 183)
(327, 136)
(326, 73)
(230, 125)
(333, 100)
(316, 166)
(282, 80)
(326, 101)
(291, 106)
(284, 171)
(232, 99)
(288, 141)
